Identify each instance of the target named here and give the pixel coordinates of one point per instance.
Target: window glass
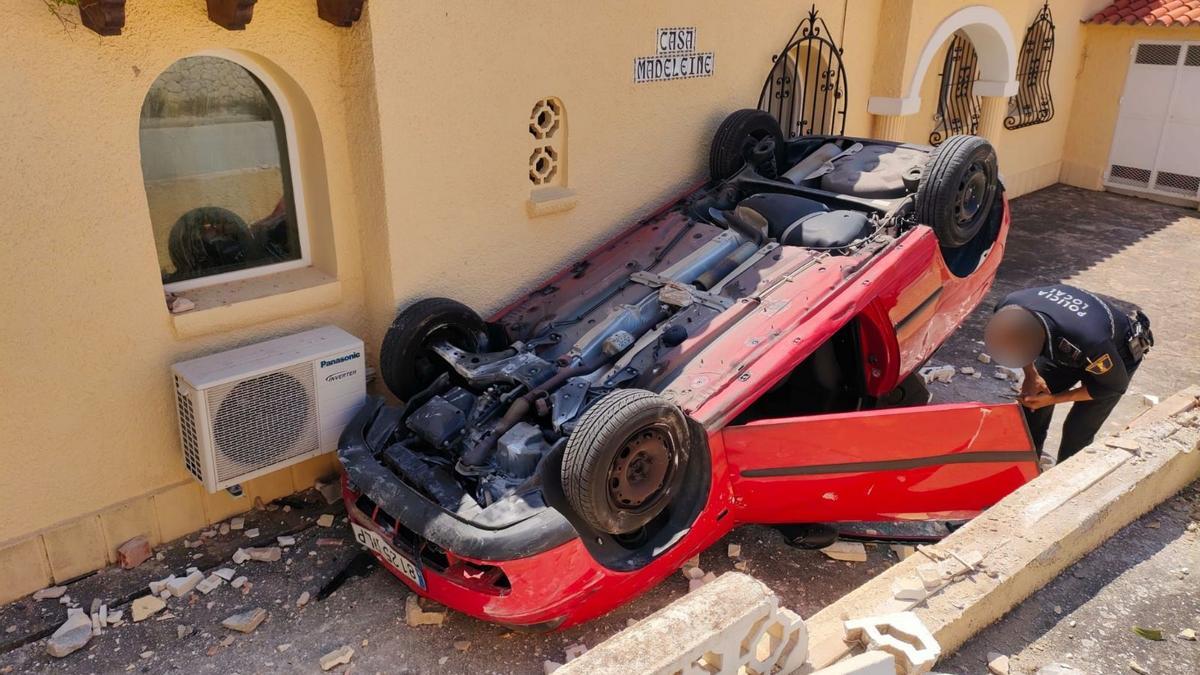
(214, 159)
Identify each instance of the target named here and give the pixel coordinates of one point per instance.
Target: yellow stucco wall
(1099, 86)
(414, 153)
(88, 437)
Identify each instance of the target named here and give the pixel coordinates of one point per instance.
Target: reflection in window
(214, 159)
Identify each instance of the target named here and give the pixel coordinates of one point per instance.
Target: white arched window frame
(293, 174)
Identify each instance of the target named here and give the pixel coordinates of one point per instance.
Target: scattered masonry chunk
(210, 584)
(72, 636)
(238, 582)
(237, 523)
(415, 615)
(246, 622)
(575, 651)
(337, 657)
(251, 533)
(734, 551)
(984, 357)
(181, 587)
(967, 370)
(134, 552)
(226, 573)
(146, 606)
(265, 554)
(51, 593)
(910, 589)
(303, 599)
(997, 663)
(286, 540)
(326, 520)
(240, 556)
(850, 551)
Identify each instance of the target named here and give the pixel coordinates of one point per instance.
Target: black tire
(958, 189)
(736, 138)
(405, 362)
(628, 443)
(209, 238)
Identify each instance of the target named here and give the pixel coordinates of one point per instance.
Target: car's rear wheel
(958, 189)
(748, 134)
(406, 362)
(625, 460)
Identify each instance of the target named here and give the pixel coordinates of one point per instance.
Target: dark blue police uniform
(1087, 341)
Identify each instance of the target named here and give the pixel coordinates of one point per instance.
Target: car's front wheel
(958, 189)
(625, 460)
(747, 135)
(406, 361)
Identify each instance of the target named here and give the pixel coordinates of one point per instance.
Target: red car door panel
(927, 462)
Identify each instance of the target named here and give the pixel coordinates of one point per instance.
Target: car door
(938, 462)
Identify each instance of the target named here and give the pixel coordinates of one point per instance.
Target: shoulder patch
(1100, 365)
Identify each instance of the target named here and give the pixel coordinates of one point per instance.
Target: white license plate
(396, 559)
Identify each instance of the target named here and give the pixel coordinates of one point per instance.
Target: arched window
(214, 144)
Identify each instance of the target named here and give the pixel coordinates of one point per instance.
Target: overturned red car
(744, 355)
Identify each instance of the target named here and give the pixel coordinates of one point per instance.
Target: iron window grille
(806, 87)
(1033, 103)
(958, 106)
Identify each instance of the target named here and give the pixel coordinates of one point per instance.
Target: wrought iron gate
(1033, 103)
(806, 88)
(958, 106)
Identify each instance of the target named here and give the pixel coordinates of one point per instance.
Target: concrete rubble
(868, 663)
(416, 615)
(209, 584)
(849, 551)
(337, 657)
(246, 622)
(265, 554)
(932, 374)
(71, 636)
(181, 587)
(145, 607)
(325, 520)
(997, 663)
(51, 593)
(902, 635)
(134, 552)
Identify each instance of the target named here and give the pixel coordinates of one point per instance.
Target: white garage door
(1156, 145)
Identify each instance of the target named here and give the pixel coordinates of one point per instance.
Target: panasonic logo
(341, 359)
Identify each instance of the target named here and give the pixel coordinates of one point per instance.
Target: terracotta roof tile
(1149, 12)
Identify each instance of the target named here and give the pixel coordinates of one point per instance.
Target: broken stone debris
(575, 651)
(416, 615)
(303, 599)
(850, 551)
(225, 573)
(246, 622)
(707, 578)
(997, 663)
(238, 582)
(909, 589)
(330, 489)
(967, 370)
(1138, 668)
(550, 666)
(902, 551)
(984, 357)
(237, 523)
(937, 374)
(134, 552)
(72, 636)
(902, 635)
(734, 551)
(1058, 669)
(337, 657)
(183, 631)
(251, 533)
(146, 606)
(210, 584)
(157, 587)
(181, 587)
(264, 554)
(462, 645)
(691, 573)
(240, 556)
(51, 593)
(1123, 443)
(286, 540)
(326, 520)
(223, 528)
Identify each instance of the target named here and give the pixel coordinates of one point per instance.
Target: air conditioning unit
(251, 410)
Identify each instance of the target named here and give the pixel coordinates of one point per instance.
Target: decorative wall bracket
(340, 12)
(231, 14)
(106, 17)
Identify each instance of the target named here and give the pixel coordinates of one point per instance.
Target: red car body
(893, 464)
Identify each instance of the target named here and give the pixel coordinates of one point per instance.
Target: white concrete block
(902, 635)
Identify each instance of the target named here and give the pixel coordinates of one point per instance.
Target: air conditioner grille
(263, 420)
(187, 430)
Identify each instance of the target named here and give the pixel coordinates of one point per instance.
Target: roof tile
(1149, 12)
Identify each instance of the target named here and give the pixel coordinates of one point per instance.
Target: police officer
(1074, 348)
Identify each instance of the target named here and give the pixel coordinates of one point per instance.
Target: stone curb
(1032, 535)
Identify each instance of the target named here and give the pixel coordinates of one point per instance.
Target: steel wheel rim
(641, 471)
(971, 192)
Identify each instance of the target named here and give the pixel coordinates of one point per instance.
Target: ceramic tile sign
(675, 58)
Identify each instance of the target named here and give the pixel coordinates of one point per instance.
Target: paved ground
(1111, 244)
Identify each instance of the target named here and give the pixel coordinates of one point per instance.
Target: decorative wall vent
(958, 106)
(548, 158)
(231, 14)
(1157, 54)
(1033, 103)
(806, 87)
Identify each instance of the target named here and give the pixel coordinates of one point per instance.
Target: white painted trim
(294, 169)
(896, 107)
(993, 41)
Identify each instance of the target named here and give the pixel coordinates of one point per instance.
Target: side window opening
(217, 174)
